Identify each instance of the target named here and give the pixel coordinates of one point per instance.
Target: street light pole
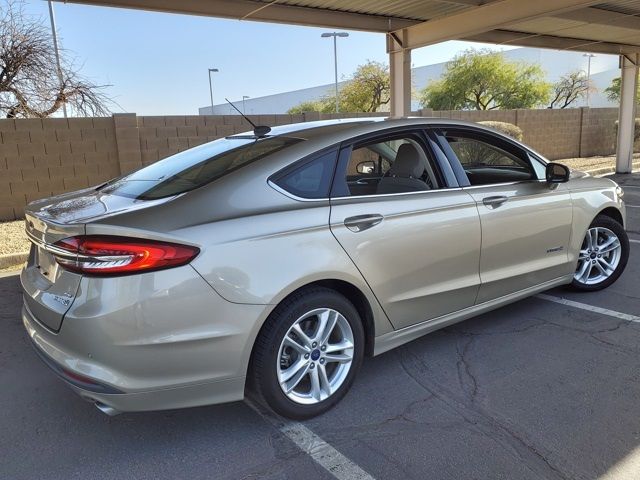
(211, 70)
(54, 35)
(244, 110)
(335, 35)
(589, 57)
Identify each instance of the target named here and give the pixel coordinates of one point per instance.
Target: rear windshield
(195, 167)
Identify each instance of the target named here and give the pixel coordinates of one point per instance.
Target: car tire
(294, 352)
(603, 255)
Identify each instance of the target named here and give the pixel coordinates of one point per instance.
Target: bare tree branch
(29, 83)
(569, 89)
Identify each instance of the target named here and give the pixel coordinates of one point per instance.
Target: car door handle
(360, 223)
(494, 201)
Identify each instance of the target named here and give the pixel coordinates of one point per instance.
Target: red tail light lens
(111, 255)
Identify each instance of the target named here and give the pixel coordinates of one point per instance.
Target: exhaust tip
(106, 409)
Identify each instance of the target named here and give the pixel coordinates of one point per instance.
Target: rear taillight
(111, 255)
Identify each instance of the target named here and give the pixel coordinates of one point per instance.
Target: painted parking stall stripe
(320, 451)
(583, 306)
(324, 454)
(634, 241)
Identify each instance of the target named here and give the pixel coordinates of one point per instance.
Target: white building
(555, 63)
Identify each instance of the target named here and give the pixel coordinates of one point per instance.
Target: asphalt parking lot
(537, 389)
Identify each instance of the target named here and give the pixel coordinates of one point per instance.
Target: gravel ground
(591, 163)
(13, 238)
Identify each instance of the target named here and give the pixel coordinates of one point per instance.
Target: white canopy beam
(490, 16)
(627, 112)
(506, 37)
(262, 12)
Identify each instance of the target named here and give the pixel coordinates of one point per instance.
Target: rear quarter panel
(262, 258)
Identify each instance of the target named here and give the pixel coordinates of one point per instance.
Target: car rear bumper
(150, 342)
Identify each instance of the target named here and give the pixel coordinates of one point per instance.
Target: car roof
(344, 128)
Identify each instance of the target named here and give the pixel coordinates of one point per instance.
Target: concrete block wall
(44, 157)
(598, 131)
(556, 134)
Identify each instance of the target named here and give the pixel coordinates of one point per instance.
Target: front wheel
(307, 353)
(603, 255)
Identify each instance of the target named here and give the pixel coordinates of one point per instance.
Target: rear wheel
(603, 255)
(307, 354)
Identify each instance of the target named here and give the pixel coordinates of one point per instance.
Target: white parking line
(320, 451)
(634, 241)
(632, 206)
(604, 311)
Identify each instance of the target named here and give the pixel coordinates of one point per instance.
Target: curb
(12, 259)
(607, 170)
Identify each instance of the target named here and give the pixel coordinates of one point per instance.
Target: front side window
(486, 163)
(397, 164)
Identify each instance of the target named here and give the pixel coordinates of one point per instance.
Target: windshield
(195, 167)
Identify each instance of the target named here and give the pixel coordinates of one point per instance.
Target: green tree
(485, 80)
(311, 106)
(367, 91)
(613, 90)
(569, 88)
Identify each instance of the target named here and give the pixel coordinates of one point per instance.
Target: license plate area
(46, 264)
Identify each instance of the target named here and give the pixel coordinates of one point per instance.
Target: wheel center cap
(315, 355)
(593, 255)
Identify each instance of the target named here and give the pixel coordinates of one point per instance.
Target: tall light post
(54, 35)
(335, 35)
(589, 57)
(244, 97)
(211, 70)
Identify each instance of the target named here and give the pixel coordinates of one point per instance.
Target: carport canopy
(611, 27)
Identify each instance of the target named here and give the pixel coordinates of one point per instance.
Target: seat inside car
(405, 173)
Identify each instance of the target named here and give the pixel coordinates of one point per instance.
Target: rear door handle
(360, 223)
(494, 202)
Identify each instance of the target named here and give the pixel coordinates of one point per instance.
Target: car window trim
(450, 177)
(452, 158)
(378, 195)
(517, 182)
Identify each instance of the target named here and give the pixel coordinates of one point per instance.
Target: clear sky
(157, 63)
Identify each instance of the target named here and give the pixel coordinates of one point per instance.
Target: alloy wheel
(599, 256)
(315, 356)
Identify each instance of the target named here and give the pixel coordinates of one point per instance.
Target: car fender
(591, 196)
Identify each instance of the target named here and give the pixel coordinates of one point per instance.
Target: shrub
(504, 127)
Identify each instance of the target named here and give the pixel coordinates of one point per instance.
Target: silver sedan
(271, 263)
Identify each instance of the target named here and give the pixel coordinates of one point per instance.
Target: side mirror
(557, 173)
(366, 167)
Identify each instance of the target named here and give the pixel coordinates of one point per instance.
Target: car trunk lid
(49, 289)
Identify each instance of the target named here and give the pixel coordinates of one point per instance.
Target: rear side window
(311, 179)
(195, 167)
